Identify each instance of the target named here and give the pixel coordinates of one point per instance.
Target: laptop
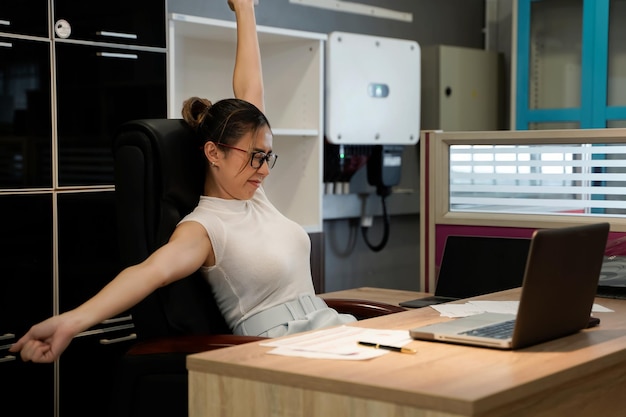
(476, 265)
(557, 294)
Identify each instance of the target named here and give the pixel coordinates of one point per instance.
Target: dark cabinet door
(88, 372)
(26, 294)
(25, 114)
(32, 380)
(88, 252)
(136, 22)
(24, 17)
(88, 259)
(98, 89)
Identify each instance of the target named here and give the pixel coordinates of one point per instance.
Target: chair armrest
(189, 344)
(362, 309)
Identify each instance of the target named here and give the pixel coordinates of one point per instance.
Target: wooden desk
(579, 375)
(383, 295)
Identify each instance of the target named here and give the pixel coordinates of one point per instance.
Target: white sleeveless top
(262, 258)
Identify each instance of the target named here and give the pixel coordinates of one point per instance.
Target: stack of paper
(339, 343)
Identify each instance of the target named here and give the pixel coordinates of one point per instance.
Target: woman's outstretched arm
(185, 252)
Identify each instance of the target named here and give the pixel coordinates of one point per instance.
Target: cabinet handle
(118, 319)
(7, 336)
(117, 34)
(108, 329)
(7, 358)
(117, 55)
(5, 22)
(131, 336)
(6, 45)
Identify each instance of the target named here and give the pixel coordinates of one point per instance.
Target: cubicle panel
(564, 178)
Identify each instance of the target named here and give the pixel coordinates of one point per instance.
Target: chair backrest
(159, 177)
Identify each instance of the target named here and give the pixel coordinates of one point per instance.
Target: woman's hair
(226, 121)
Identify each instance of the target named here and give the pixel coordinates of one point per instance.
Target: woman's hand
(234, 3)
(45, 342)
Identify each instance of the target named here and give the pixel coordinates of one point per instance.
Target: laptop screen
(476, 265)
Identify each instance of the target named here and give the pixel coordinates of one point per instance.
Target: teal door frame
(593, 111)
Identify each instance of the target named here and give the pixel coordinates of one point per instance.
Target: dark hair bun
(195, 110)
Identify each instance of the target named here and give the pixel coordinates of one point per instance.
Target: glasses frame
(270, 158)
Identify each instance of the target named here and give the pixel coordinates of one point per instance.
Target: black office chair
(159, 175)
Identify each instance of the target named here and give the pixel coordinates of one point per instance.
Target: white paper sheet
(339, 343)
(476, 307)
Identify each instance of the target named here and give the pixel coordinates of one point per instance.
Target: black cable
(383, 242)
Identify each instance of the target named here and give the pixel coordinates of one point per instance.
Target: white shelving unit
(200, 63)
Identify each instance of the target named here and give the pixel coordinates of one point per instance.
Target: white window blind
(539, 179)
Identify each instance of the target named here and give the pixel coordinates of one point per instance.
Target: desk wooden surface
(579, 375)
(383, 295)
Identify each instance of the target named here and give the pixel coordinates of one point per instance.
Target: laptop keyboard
(502, 330)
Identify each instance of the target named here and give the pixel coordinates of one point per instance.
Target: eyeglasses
(257, 157)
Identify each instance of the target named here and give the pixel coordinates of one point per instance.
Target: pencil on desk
(386, 347)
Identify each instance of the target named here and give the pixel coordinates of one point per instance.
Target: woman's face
(235, 178)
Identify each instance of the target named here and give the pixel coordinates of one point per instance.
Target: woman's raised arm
(247, 74)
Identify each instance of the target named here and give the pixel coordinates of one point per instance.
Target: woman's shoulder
(204, 212)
